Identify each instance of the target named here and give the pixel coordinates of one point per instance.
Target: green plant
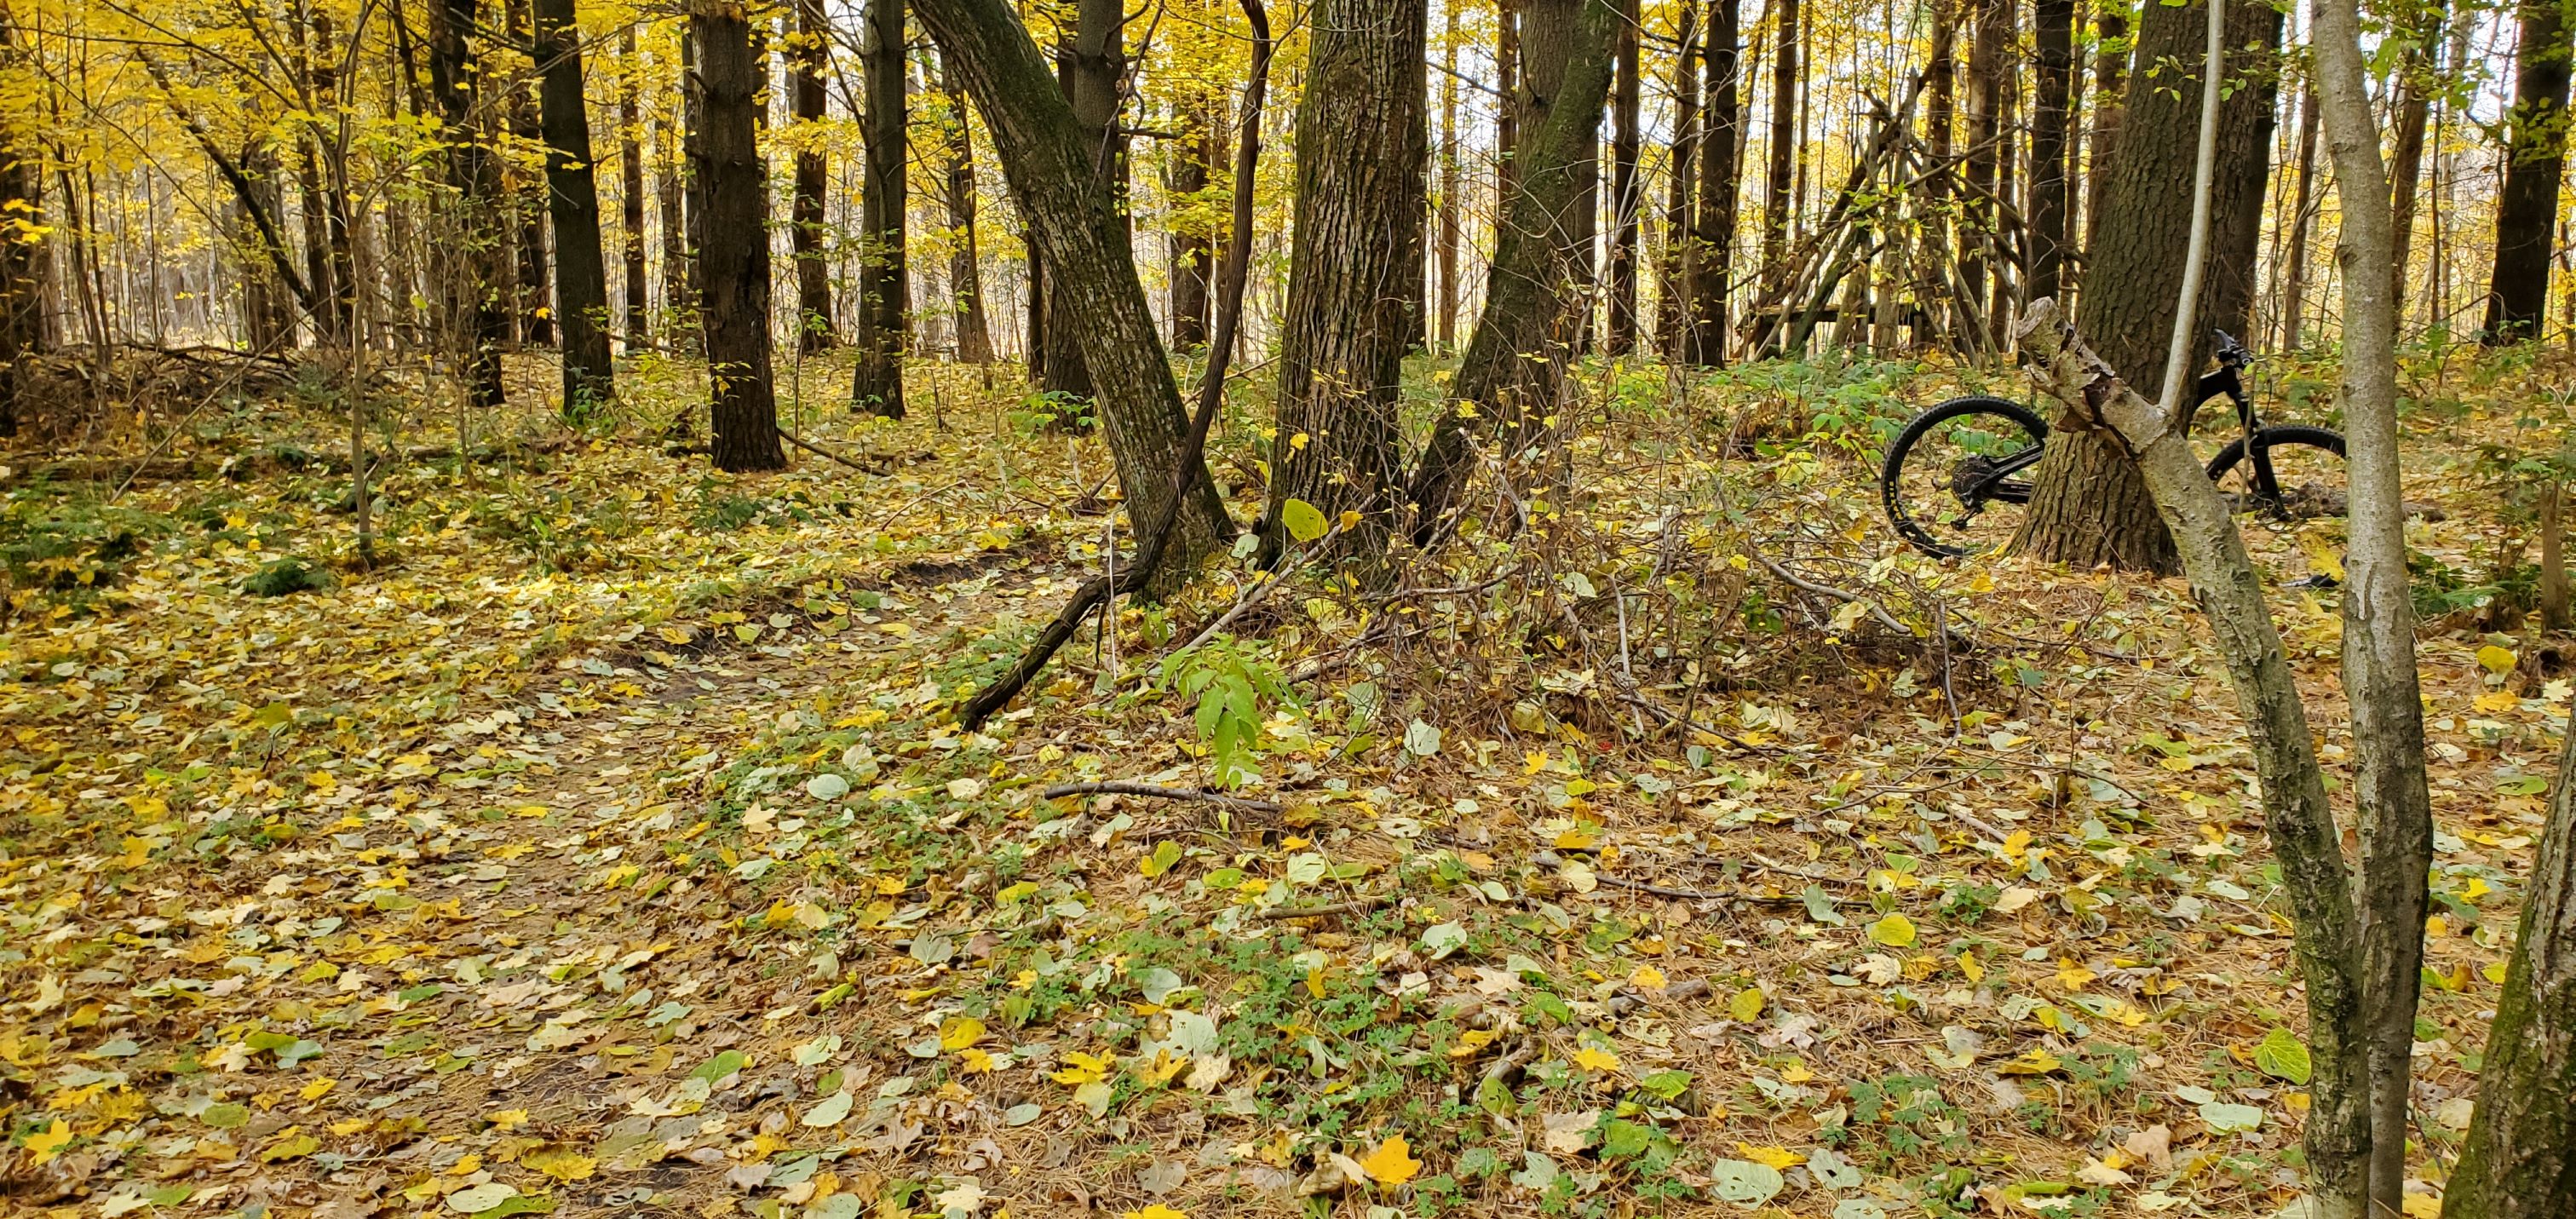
(1231, 679)
(285, 577)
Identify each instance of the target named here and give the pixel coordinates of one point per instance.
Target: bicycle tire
(2277, 436)
(1892, 468)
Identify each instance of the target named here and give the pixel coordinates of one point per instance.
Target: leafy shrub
(286, 577)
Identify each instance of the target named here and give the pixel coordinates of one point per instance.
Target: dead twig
(1330, 910)
(1122, 787)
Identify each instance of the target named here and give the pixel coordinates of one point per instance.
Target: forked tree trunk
(2394, 804)
(1362, 144)
(965, 262)
(2089, 507)
(474, 284)
(2520, 1158)
(2527, 209)
(810, 51)
(581, 270)
(1514, 367)
(876, 386)
(1624, 144)
(1083, 243)
(733, 275)
(2298, 819)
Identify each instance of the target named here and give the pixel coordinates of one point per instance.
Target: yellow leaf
(1968, 967)
(2073, 975)
(562, 1163)
(960, 1033)
(1156, 1211)
(974, 1061)
(1471, 1041)
(1895, 931)
(1594, 1058)
(2496, 660)
(1777, 1157)
(1647, 977)
(44, 1144)
(1746, 1005)
(2493, 972)
(1392, 1163)
(2036, 1062)
(318, 1088)
(1081, 1068)
(510, 1119)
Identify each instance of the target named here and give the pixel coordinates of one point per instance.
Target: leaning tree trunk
(2379, 677)
(1514, 368)
(1092, 62)
(1082, 241)
(1362, 144)
(809, 52)
(2527, 210)
(473, 284)
(2089, 506)
(581, 270)
(965, 266)
(1445, 329)
(885, 293)
(2520, 1158)
(733, 268)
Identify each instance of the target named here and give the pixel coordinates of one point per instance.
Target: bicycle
(1954, 463)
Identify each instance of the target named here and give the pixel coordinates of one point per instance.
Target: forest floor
(610, 844)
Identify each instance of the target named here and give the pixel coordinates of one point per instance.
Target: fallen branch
(1122, 787)
(1361, 906)
(820, 451)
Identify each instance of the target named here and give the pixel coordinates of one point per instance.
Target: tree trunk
(630, 151)
(528, 204)
(2554, 615)
(1514, 368)
(1090, 66)
(2421, 25)
(1193, 251)
(2053, 37)
(2089, 507)
(679, 285)
(1784, 141)
(1624, 143)
(733, 277)
(1988, 34)
(1713, 223)
(965, 263)
(471, 295)
(1507, 109)
(1546, 47)
(809, 52)
(876, 386)
(1681, 261)
(22, 251)
(581, 271)
(2298, 818)
(2294, 289)
(1451, 206)
(2380, 685)
(2520, 1158)
(1082, 241)
(336, 219)
(2527, 210)
(2110, 80)
(1938, 215)
(1361, 150)
(268, 305)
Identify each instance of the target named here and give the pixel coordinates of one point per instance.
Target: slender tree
(473, 286)
(1784, 140)
(22, 245)
(1680, 261)
(1624, 144)
(581, 271)
(2294, 279)
(1362, 146)
(876, 386)
(733, 277)
(630, 153)
(1193, 252)
(1721, 150)
(532, 309)
(965, 275)
(808, 52)
(2420, 23)
(1452, 207)
(2527, 209)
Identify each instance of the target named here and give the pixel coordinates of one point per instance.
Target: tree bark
(1513, 374)
(22, 249)
(1985, 139)
(474, 283)
(2421, 25)
(1362, 144)
(2294, 281)
(533, 307)
(2053, 38)
(733, 277)
(1624, 143)
(2520, 1158)
(2527, 210)
(1784, 140)
(630, 149)
(1547, 31)
(965, 263)
(885, 293)
(581, 271)
(2554, 615)
(2298, 818)
(1082, 241)
(674, 194)
(2088, 506)
(2379, 677)
(1714, 219)
(2110, 81)
(809, 52)
(337, 222)
(1091, 63)
(1451, 206)
(1680, 261)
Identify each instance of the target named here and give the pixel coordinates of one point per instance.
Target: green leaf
(721, 1065)
(2282, 1056)
(225, 1116)
(1625, 1138)
(1665, 1085)
(2225, 1118)
(1304, 522)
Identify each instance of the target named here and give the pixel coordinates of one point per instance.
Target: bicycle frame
(1977, 483)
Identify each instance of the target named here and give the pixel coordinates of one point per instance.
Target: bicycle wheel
(2295, 473)
(1950, 471)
